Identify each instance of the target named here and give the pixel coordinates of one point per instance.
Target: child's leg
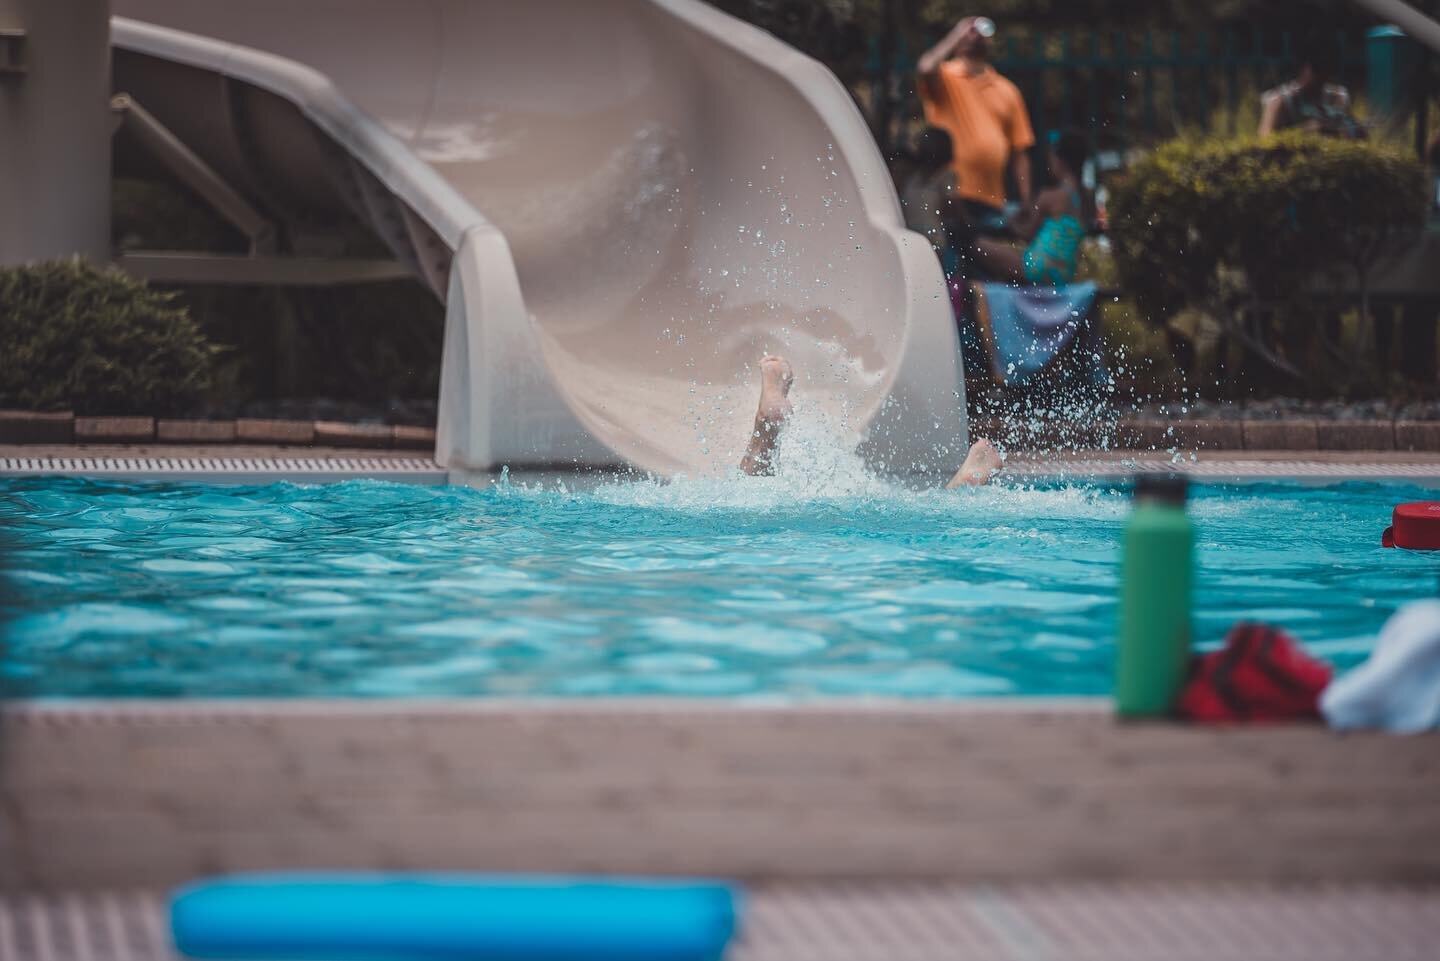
(980, 465)
(775, 380)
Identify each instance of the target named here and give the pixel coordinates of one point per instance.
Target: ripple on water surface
(748, 587)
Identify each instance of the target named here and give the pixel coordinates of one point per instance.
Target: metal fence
(1136, 87)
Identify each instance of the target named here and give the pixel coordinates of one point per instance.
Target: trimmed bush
(96, 342)
(1216, 224)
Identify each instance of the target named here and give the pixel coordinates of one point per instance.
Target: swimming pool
(752, 588)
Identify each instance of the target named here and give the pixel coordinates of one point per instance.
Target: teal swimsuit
(1052, 257)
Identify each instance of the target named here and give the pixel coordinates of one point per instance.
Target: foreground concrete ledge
(122, 793)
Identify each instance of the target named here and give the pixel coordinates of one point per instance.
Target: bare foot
(775, 380)
(980, 465)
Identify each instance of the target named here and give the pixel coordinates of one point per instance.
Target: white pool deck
(863, 830)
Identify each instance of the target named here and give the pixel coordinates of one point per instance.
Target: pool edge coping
(240, 708)
(154, 792)
(315, 466)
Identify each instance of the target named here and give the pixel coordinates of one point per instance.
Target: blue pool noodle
(357, 917)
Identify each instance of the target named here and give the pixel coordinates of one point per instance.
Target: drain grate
(425, 471)
(911, 921)
(311, 469)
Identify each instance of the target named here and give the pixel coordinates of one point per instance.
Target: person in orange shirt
(984, 115)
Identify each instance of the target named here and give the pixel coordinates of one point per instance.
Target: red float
(1414, 526)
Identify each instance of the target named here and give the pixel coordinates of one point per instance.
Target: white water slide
(623, 204)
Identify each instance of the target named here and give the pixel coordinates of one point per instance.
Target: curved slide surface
(623, 203)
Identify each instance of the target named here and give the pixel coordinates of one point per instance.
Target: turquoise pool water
(725, 588)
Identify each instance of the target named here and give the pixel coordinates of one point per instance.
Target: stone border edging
(27, 427)
(1295, 434)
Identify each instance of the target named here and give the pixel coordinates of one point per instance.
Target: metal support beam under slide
(157, 140)
(261, 266)
(185, 267)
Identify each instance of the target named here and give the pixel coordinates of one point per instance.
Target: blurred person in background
(928, 195)
(985, 116)
(1311, 101)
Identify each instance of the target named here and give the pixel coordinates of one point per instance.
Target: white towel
(1398, 688)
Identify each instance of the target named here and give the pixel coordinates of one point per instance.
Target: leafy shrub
(1219, 225)
(97, 342)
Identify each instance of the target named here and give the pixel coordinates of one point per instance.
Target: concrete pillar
(55, 131)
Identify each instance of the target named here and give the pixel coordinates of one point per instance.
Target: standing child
(1054, 225)
(929, 194)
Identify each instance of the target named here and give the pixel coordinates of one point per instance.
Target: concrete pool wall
(124, 793)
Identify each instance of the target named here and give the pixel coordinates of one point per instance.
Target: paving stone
(1281, 435)
(195, 431)
(114, 430)
(330, 433)
(1126, 433)
(31, 427)
(255, 431)
(1417, 435)
(413, 438)
(1148, 435)
(1356, 434)
(1212, 434)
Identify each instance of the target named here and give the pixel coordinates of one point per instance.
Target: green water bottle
(1153, 650)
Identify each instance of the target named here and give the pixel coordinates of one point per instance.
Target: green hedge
(96, 342)
(1211, 223)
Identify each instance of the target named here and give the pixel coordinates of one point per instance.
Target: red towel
(1261, 674)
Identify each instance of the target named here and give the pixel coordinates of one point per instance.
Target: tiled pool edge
(126, 793)
(319, 466)
(230, 470)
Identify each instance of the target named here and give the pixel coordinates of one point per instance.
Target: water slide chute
(623, 204)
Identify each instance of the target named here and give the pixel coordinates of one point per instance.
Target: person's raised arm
(1270, 116)
(929, 64)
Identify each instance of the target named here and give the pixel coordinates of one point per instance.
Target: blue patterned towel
(1025, 328)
